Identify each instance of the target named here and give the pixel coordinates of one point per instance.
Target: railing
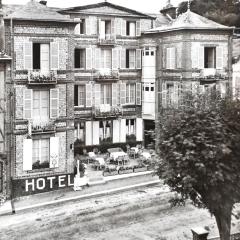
(213, 73)
(41, 126)
(42, 77)
(107, 39)
(106, 74)
(106, 111)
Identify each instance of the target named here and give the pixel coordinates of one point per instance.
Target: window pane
(132, 59)
(132, 93)
(44, 150)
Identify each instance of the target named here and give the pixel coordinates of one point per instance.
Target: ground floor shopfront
(107, 132)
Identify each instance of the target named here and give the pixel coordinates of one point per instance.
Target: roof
(189, 20)
(36, 11)
(160, 19)
(122, 10)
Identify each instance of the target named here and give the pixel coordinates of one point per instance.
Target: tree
(226, 12)
(200, 151)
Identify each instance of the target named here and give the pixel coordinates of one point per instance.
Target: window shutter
(54, 55)
(139, 58)
(164, 95)
(201, 57)
(54, 152)
(123, 28)
(171, 58)
(54, 103)
(118, 26)
(219, 57)
(168, 58)
(27, 154)
(118, 93)
(27, 104)
(97, 94)
(175, 98)
(123, 130)
(77, 28)
(123, 93)
(97, 58)
(139, 129)
(138, 28)
(88, 26)
(89, 95)
(138, 93)
(28, 55)
(114, 94)
(115, 58)
(113, 26)
(88, 133)
(123, 58)
(195, 56)
(116, 131)
(95, 133)
(88, 58)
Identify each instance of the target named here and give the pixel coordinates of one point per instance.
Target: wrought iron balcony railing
(107, 39)
(106, 111)
(42, 77)
(106, 74)
(41, 126)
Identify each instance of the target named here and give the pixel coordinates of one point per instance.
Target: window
(80, 58)
(41, 154)
(210, 57)
(106, 94)
(106, 60)
(79, 95)
(1, 177)
(170, 94)
(80, 131)
(40, 107)
(130, 127)
(130, 94)
(105, 129)
(131, 28)
(105, 29)
(41, 56)
(130, 58)
(80, 27)
(171, 58)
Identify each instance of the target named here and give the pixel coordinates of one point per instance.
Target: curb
(86, 196)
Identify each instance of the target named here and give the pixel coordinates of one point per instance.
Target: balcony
(106, 75)
(105, 111)
(43, 126)
(38, 77)
(107, 40)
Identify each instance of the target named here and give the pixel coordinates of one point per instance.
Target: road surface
(134, 215)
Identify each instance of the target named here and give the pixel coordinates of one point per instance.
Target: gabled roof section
(36, 11)
(189, 20)
(106, 8)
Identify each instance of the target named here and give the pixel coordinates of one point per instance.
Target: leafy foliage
(226, 12)
(200, 151)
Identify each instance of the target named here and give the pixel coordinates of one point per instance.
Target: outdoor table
(115, 155)
(146, 155)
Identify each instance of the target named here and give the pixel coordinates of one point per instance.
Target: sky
(147, 6)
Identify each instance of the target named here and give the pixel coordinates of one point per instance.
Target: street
(142, 214)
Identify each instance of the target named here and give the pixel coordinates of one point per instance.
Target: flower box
(112, 173)
(141, 169)
(125, 171)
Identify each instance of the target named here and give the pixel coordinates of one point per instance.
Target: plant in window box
(39, 165)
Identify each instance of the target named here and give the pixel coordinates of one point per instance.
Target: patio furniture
(115, 155)
(146, 155)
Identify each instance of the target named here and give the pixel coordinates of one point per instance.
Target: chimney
(169, 10)
(2, 30)
(43, 2)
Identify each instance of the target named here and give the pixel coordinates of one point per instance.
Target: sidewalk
(110, 185)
